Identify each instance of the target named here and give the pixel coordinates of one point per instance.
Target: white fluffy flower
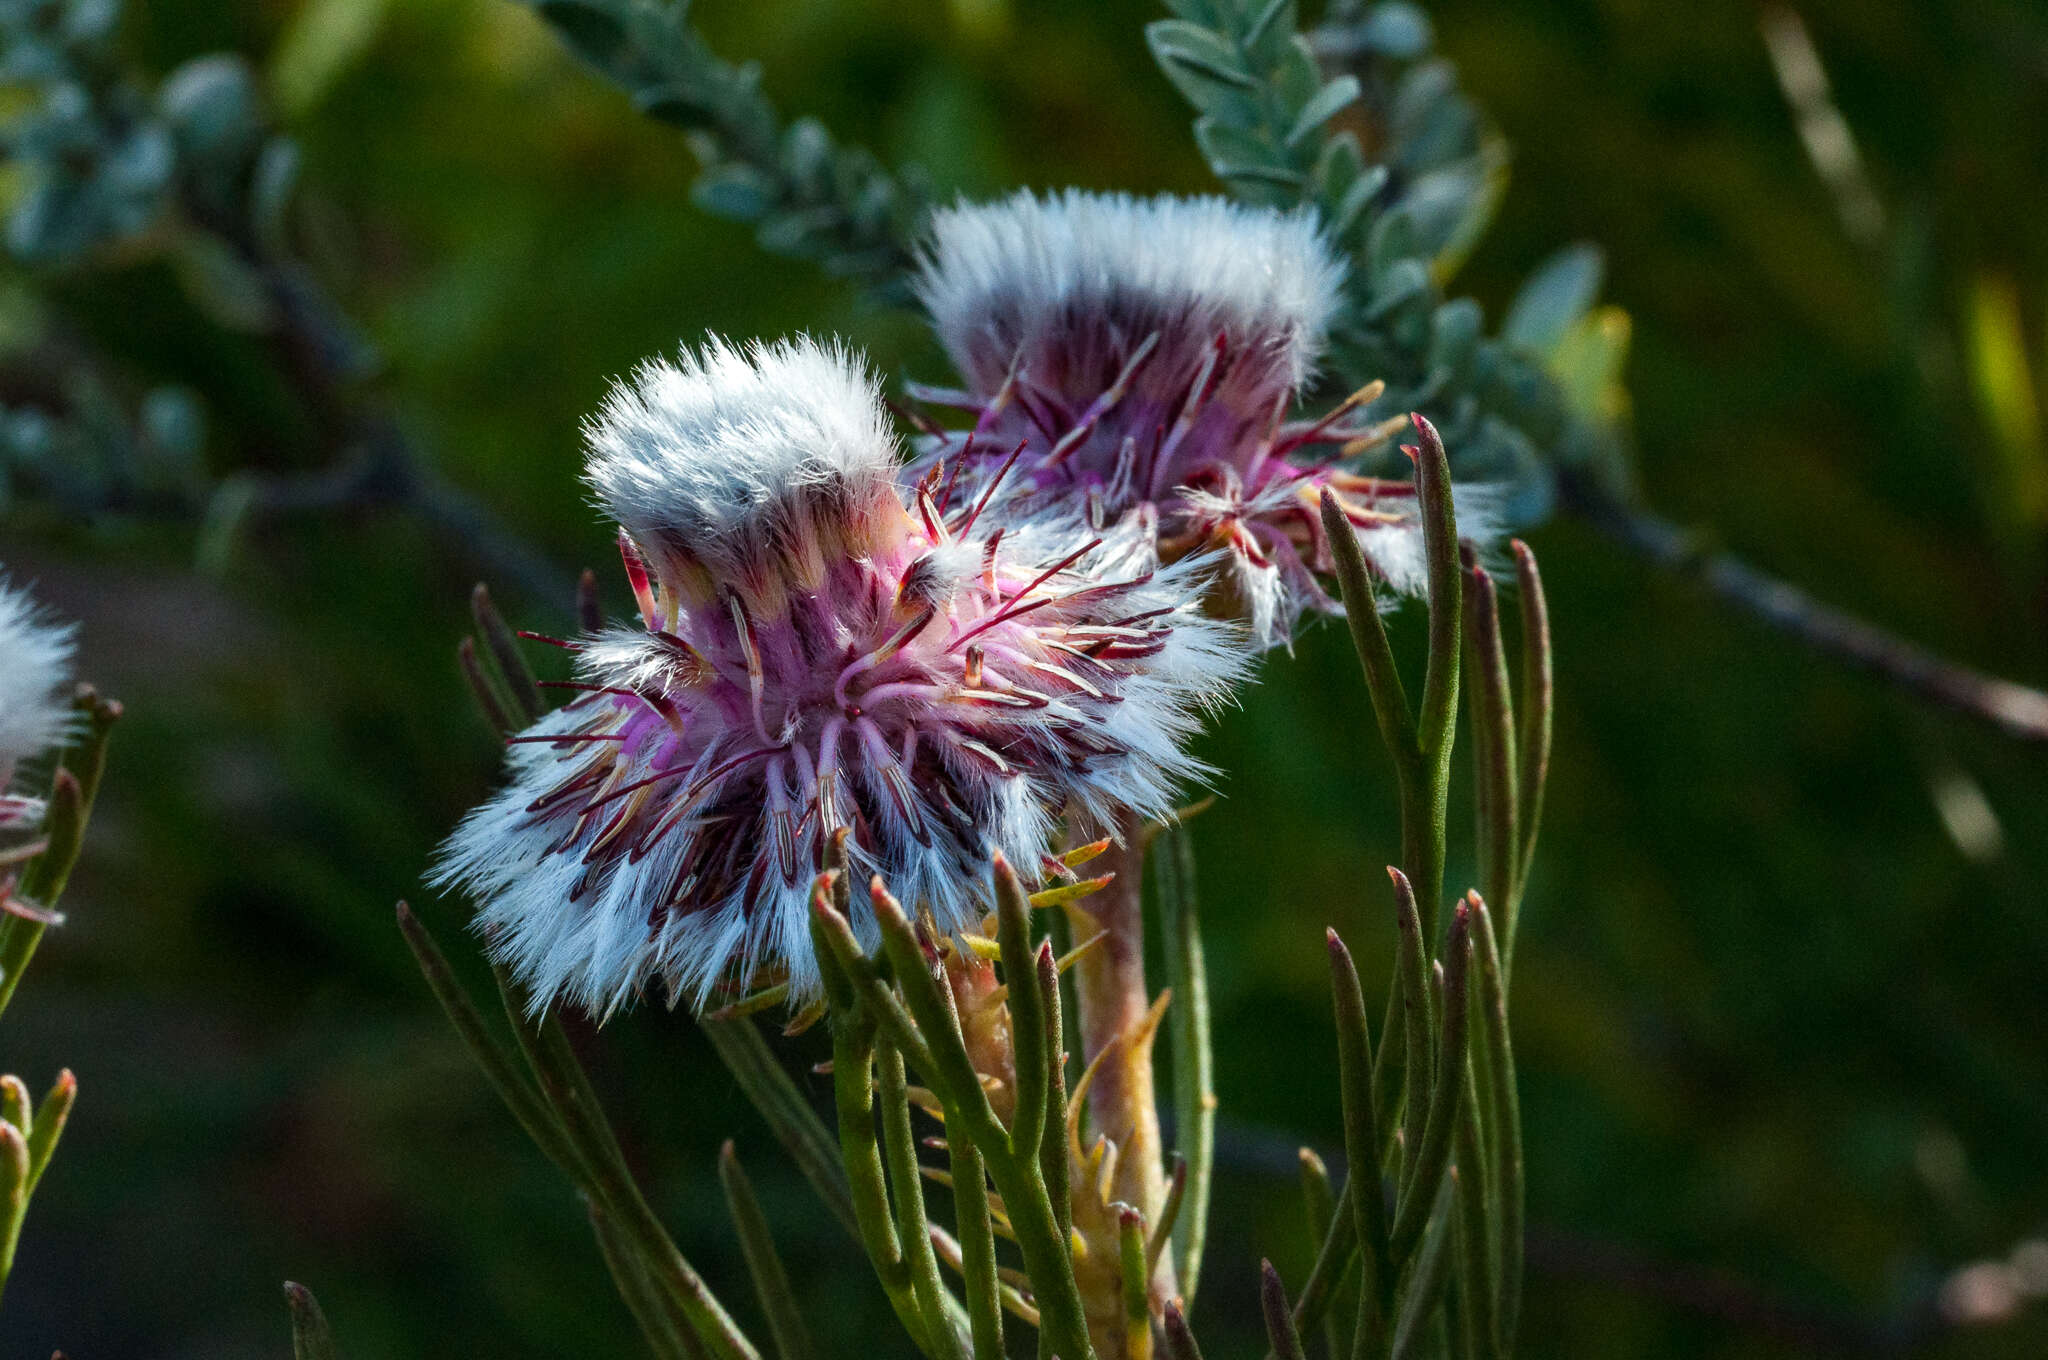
(1130, 367)
(820, 649)
(1001, 280)
(35, 664)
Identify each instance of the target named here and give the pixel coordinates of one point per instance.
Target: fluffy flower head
(35, 663)
(818, 649)
(1130, 367)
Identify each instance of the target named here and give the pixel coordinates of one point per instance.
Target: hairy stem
(1109, 984)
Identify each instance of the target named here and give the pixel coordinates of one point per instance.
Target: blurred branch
(189, 170)
(2014, 709)
(806, 195)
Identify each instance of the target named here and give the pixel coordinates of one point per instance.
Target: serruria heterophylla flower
(821, 645)
(35, 710)
(35, 715)
(1131, 368)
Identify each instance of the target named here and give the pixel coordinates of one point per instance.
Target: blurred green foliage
(1779, 994)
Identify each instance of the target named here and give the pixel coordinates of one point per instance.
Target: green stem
(853, 1054)
(977, 1249)
(906, 1183)
(1053, 1168)
(1194, 1064)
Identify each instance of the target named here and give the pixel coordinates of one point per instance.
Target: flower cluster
(820, 647)
(1131, 366)
(35, 661)
(944, 658)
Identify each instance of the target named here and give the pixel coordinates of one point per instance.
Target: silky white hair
(35, 663)
(697, 450)
(1004, 271)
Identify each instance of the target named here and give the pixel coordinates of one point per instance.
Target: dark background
(1781, 1030)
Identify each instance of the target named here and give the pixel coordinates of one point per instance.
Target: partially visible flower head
(1131, 365)
(35, 712)
(818, 650)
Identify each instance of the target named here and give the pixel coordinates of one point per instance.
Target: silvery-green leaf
(1555, 297)
(1399, 31)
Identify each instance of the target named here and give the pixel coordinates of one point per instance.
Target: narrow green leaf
(1245, 154)
(949, 1068)
(1427, 1162)
(16, 1107)
(1369, 635)
(1417, 1010)
(49, 1125)
(1478, 1299)
(1332, 1267)
(589, 606)
(503, 645)
(1053, 1169)
(787, 1111)
(1180, 1341)
(1425, 1285)
(661, 1328)
(1537, 699)
(1361, 1132)
(1031, 1053)
(489, 1054)
(1206, 71)
(1280, 1331)
(312, 1338)
(1319, 1204)
(1493, 737)
(833, 937)
(764, 1263)
(1137, 1275)
(14, 1186)
(1169, 1213)
(484, 688)
(1437, 717)
(1504, 1116)
(567, 1090)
